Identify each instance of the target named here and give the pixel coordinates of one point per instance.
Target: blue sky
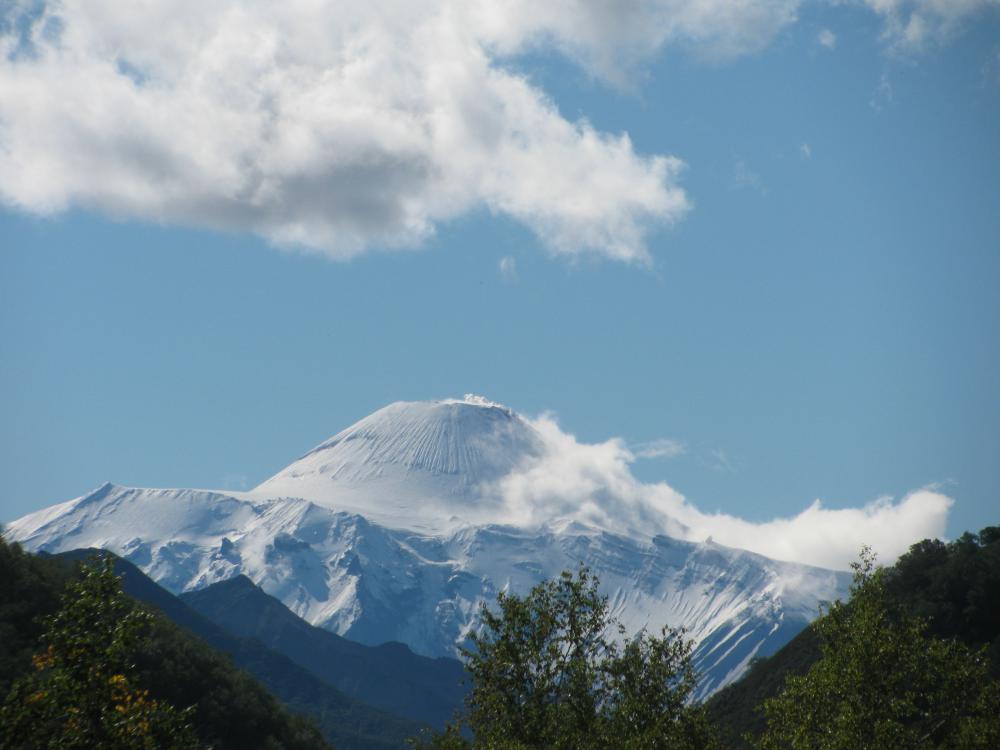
(808, 307)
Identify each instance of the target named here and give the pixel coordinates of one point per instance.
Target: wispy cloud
(235, 482)
(911, 25)
(991, 68)
(882, 95)
(658, 448)
(593, 483)
(718, 459)
(827, 39)
(743, 177)
(508, 268)
(805, 151)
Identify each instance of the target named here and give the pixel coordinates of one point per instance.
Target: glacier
(397, 529)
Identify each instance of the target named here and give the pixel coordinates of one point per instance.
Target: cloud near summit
(593, 483)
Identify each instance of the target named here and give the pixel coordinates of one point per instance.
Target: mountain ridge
(388, 557)
(342, 718)
(389, 676)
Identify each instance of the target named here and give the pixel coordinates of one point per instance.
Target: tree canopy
(553, 669)
(41, 606)
(884, 683)
(81, 692)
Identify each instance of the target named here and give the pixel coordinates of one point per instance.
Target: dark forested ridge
(232, 710)
(346, 722)
(389, 676)
(954, 586)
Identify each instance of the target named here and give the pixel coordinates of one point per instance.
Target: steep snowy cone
(419, 464)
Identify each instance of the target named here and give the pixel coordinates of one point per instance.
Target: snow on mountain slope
(420, 465)
(387, 531)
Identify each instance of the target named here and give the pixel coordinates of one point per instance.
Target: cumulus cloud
(594, 484)
(340, 127)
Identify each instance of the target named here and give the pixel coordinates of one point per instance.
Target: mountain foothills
(164, 665)
(400, 527)
(390, 677)
(188, 660)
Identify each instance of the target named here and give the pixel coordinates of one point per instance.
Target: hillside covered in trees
(41, 602)
(184, 661)
(911, 660)
(953, 587)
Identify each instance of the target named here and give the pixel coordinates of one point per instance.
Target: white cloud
(805, 150)
(593, 483)
(827, 39)
(508, 268)
(912, 24)
(744, 177)
(609, 37)
(341, 127)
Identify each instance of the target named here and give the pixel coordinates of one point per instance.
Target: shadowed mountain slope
(389, 676)
(345, 721)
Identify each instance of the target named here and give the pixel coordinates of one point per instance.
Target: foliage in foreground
(231, 710)
(81, 692)
(954, 586)
(883, 683)
(547, 672)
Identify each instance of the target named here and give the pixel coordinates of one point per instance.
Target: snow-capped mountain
(394, 530)
(415, 465)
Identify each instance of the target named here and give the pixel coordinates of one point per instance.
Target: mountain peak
(472, 436)
(401, 527)
(474, 399)
(411, 453)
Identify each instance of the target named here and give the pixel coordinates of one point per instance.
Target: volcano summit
(424, 464)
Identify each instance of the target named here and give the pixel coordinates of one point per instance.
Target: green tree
(882, 683)
(81, 693)
(554, 670)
